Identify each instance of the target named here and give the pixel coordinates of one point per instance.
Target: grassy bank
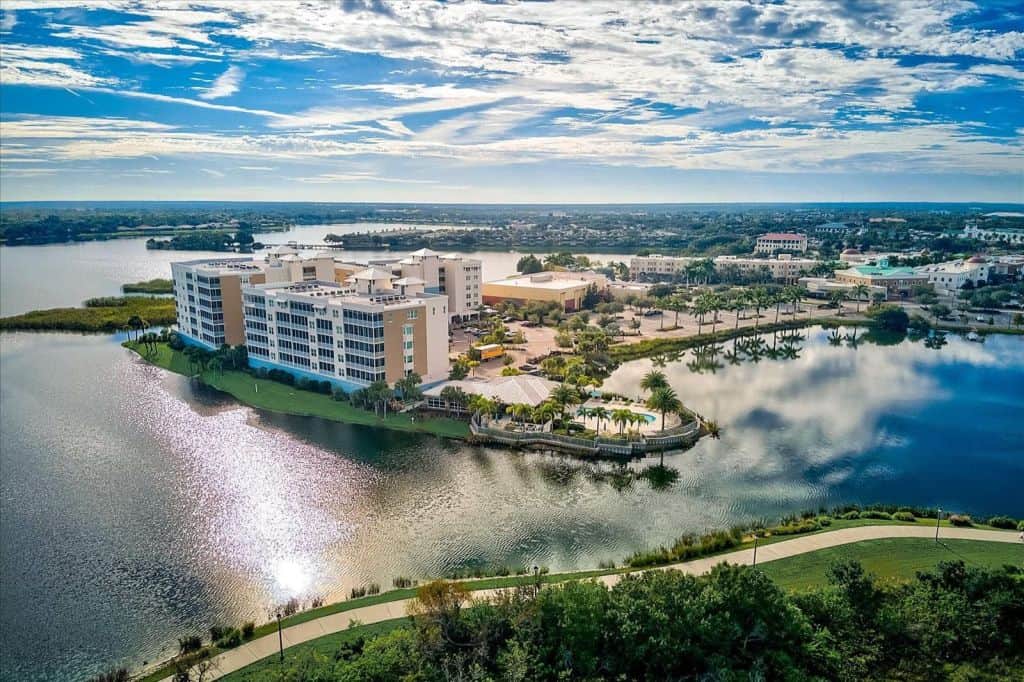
(150, 286)
(271, 395)
(111, 315)
(647, 347)
(891, 560)
(896, 559)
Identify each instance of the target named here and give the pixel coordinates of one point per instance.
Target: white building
(994, 234)
(522, 388)
(208, 298)
(951, 276)
(781, 241)
(450, 274)
(350, 336)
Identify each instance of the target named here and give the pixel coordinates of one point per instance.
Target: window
(408, 345)
(407, 330)
(408, 359)
(413, 314)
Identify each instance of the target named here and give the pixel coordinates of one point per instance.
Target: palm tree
(622, 416)
(759, 299)
(600, 414)
(584, 412)
(135, 322)
(715, 305)
(519, 411)
(837, 298)
(544, 412)
(653, 380)
(861, 292)
(564, 396)
(664, 400)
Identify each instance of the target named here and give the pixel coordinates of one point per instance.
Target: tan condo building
(781, 241)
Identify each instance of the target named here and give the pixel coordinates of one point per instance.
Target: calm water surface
(53, 275)
(138, 507)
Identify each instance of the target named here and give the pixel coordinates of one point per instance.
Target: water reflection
(138, 506)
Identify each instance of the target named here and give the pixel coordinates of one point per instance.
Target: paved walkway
(253, 651)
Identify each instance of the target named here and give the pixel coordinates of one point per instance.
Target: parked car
(652, 313)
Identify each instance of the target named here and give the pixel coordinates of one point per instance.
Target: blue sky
(603, 101)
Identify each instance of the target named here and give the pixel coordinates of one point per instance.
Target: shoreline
(264, 394)
(771, 549)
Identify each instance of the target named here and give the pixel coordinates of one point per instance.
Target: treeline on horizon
(26, 223)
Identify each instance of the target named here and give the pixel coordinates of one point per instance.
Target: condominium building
(781, 241)
(208, 292)
(350, 336)
(568, 289)
(208, 298)
(951, 276)
(450, 274)
(784, 267)
(659, 265)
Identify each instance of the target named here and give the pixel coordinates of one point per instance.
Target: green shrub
(218, 632)
(230, 639)
(850, 515)
(1002, 522)
(824, 521)
(806, 526)
(1020, 525)
(248, 629)
(189, 644)
(373, 588)
(875, 514)
(960, 520)
(903, 516)
(357, 592)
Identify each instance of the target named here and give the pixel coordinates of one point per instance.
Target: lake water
(138, 507)
(53, 275)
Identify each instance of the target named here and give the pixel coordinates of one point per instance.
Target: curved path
(257, 649)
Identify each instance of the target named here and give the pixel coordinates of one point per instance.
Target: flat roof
(553, 284)
(522, 388)
(785, 236)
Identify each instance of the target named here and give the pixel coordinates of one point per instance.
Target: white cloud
(214, 173)
(226, 84)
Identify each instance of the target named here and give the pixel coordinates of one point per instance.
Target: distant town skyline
(563, 102)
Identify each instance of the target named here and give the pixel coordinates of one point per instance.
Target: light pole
(536, 578)
(938, 518)
(754, 563)
(280, 639)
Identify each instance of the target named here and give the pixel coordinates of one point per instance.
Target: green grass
(895, 559)
(271, 395)
(156, 311)
(151, 286)
(325, 646)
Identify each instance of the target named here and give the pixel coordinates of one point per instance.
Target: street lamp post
(754, 563)
(280, 638)
(536, 578)
(938, 518)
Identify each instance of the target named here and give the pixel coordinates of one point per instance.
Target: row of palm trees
(754, 299)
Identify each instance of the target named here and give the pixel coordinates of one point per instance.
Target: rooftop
(522, 388)
(783, 236)
(541, 281)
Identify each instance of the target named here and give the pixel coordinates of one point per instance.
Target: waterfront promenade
(258, 649)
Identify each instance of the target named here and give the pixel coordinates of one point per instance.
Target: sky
(471, 102)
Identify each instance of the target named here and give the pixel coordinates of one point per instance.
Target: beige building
(208, 298)
(784, 267)
(456, 277)
(565, 288)
(659, 265)
(350, 336)
(781, 241)
(951, 276)
(896, 280)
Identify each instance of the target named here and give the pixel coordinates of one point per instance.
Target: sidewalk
(253, 651)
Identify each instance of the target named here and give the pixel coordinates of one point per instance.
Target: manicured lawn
(891, 558)
(266, 668)
(278, 397)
